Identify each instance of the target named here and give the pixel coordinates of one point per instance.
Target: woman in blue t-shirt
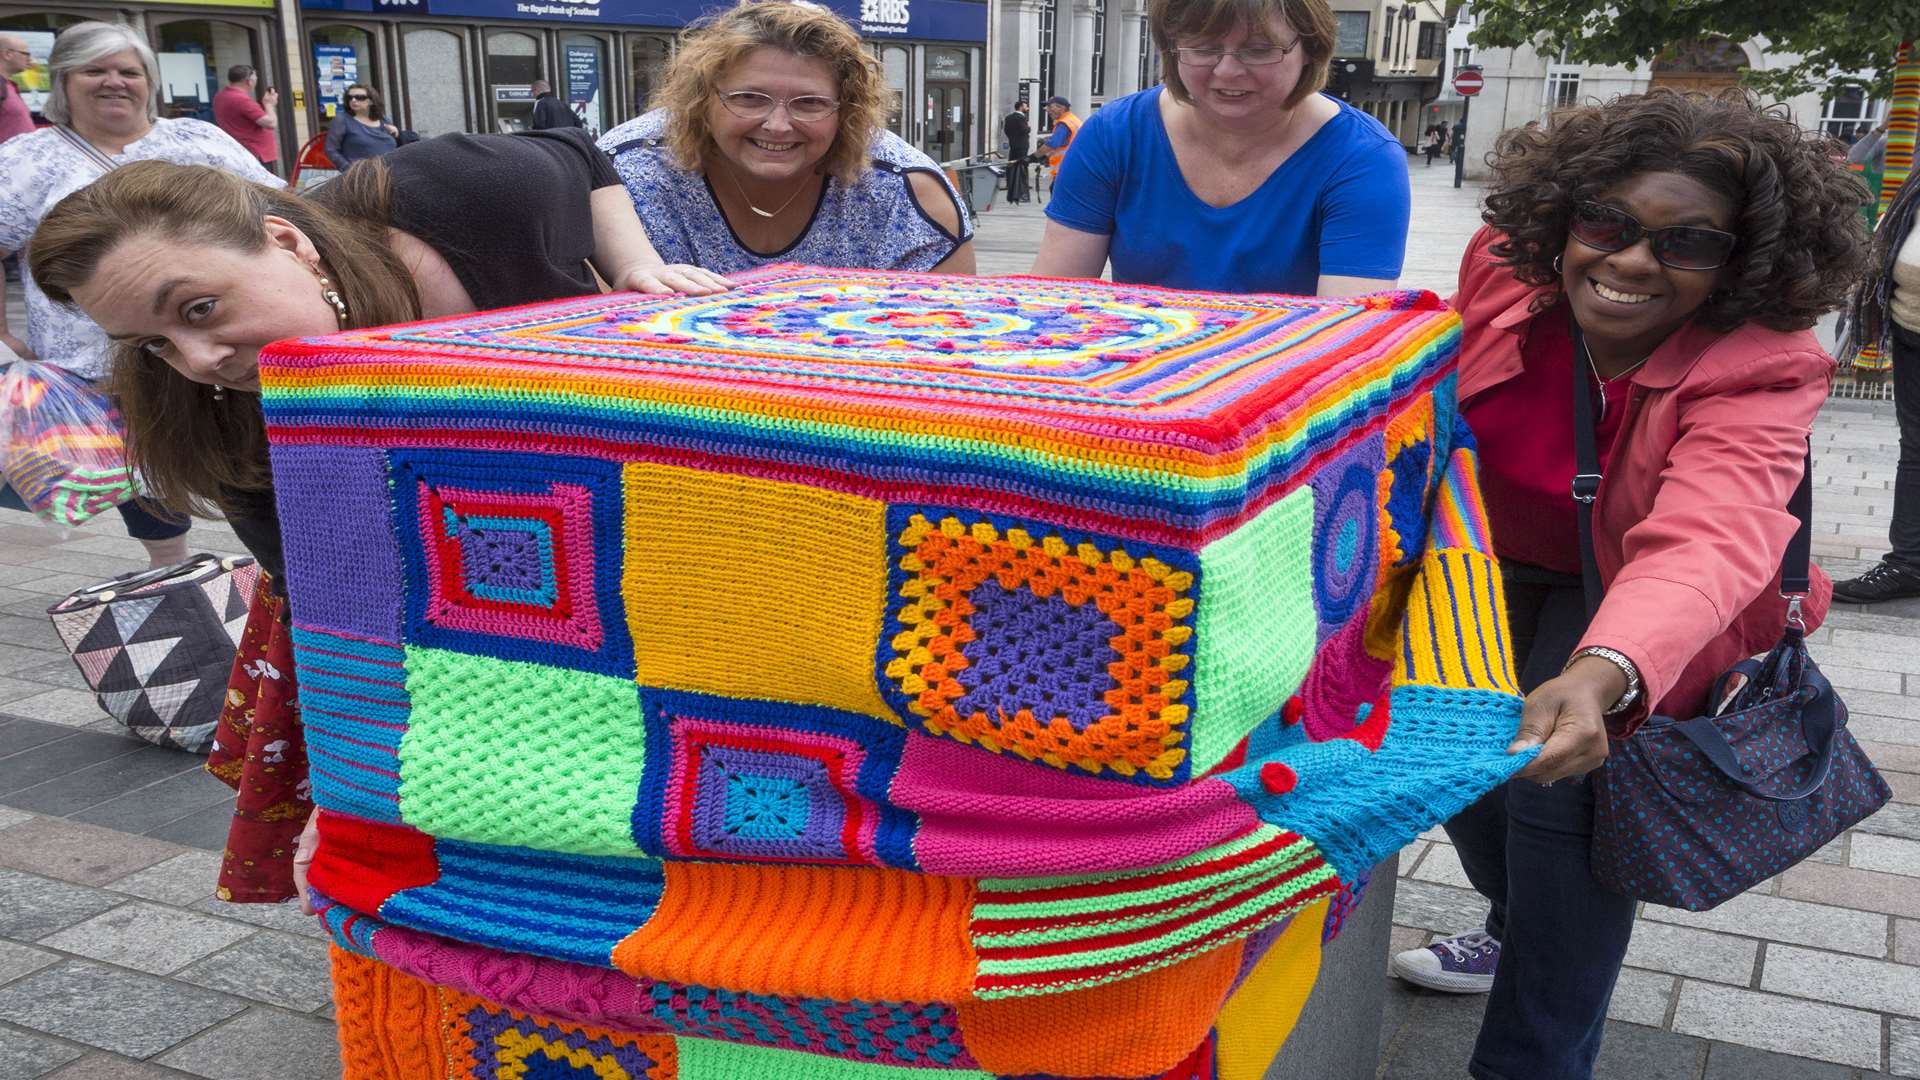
(1237, 175)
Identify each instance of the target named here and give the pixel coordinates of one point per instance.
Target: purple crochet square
(328, 547)
(765, 804)
(1039, 653)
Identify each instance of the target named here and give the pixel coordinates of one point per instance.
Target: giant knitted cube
(859, 674)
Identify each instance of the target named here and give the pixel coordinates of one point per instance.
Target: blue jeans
(1525, 848)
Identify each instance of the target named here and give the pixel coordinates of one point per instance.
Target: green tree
(1830, 35)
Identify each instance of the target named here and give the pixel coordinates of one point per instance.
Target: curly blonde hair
(713, 46)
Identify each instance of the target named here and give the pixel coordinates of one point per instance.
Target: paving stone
(1906, 941)
(183, 880)
(1903, 1047)
(12, 690)
(205, 829)
(1884, 680)
(1843, 886)
(1905, 785)
(1632, 1052)
(286, 917)
(1410, 857)
(1442, 866)
(113, 1067)
(1731, 1061)
(280, 969)
(1698, 954)
(1439, 907)
(10, 817)
(1436, 1037)
(1641, 997)
(148, 937)
(74, 791)
(264, 1042)
(1879, 985)
(17, 960)
(1778, 919)
(70, 708)
(1781, 1024)
(71, 852)
(17, 736)
(67, 752)
(1402, 938)
(32, 907)
(1864, 703)
(69, 561)
(1886, 854)
(24, 1056)
(1893, 819)
(147, 1015)
(159, 804)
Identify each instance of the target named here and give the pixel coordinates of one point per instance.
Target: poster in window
(583, 84)
(336, 67)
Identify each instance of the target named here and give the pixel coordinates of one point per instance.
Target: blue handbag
(1691, 813)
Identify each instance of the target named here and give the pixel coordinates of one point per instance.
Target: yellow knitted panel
(755, 588)
(1261, 1013)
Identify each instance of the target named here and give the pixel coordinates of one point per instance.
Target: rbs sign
(884, 16)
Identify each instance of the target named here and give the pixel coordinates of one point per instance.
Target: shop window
(1849, 113)
(579, 78)
(513, 62)
(950, 95)
(194, 55)
(1350, 36)
(342, 56)
(436, 81)
(893, 65)
(647, 56)
(1433, 40)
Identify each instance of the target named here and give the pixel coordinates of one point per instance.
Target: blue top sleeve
(1364, 214)
(1086, 197)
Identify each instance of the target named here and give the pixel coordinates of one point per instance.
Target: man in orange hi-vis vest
(1065, 127)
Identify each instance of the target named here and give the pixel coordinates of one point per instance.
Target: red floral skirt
(260, 751)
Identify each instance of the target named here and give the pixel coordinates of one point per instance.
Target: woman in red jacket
(1693, 242)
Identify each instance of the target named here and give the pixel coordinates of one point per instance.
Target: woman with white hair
(105, 114)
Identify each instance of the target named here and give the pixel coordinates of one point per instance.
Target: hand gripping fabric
(868, 675)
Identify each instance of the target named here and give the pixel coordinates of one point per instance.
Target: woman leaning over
(360, 130)
(105, 111)
(194, 271)
(1691, 243)
(767, 144)
(1237, 175)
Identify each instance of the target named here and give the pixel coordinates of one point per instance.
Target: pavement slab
(288, 970)
(25, 1055)
(264, 1042)
(111, 1009)
(32, 906)
(148, 937)
(1780, 1024)
(78, 853)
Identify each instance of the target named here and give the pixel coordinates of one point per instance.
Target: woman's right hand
(19, 347)
(303, 858)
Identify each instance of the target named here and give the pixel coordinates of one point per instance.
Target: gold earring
(332, 296)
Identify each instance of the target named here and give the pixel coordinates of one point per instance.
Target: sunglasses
(1682, 247)
(358, 97)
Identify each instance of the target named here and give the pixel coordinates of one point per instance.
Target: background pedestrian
(360, 130)
(253, 124)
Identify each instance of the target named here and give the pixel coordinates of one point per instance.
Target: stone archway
(1707, 64)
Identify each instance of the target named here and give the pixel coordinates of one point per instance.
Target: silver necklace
(768, 214)
(1604, 380)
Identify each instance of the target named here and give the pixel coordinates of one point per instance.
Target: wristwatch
(1619, 660)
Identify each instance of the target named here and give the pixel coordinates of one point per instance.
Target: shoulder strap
(1795, 575)
(93, 153)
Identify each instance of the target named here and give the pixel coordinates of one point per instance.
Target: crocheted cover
(857, 673)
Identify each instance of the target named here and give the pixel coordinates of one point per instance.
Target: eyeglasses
(1250, 56)
(358, 97)
(753, 105)
(1683, 247)
(18, 52)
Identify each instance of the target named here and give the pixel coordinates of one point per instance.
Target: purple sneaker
(1462, 964)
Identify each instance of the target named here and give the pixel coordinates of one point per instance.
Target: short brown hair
(712, 46)
(1312, 19)
(198, 453)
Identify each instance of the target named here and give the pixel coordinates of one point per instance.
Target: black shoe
(1884, 582)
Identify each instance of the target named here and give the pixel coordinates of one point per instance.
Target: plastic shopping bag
(60, 444)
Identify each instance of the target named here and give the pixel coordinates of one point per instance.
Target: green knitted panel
(1254, 625)
(504, 752)
(711, 1060)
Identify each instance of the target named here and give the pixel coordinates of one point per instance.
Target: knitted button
(1290, 712)
(1277, 777)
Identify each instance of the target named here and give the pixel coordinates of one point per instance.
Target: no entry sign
(1467, 82)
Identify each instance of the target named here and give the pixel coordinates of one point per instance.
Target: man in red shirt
(250, 122)
(15, 118)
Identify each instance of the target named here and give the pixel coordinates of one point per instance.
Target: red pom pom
(1290, 712)
(1277, 777)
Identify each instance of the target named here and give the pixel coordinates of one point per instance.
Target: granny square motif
(861, 674)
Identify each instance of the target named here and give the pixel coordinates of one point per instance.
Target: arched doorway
(1705, 65)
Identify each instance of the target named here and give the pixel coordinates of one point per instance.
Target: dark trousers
(1525, 848)
(1017, 187)
(1904, 532)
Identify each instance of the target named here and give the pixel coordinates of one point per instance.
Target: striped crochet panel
(861, 671)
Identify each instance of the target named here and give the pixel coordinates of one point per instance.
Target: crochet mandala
(870, 675)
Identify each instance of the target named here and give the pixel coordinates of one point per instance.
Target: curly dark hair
(1803, 242)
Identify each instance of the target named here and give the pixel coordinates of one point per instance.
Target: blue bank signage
(942, 20)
